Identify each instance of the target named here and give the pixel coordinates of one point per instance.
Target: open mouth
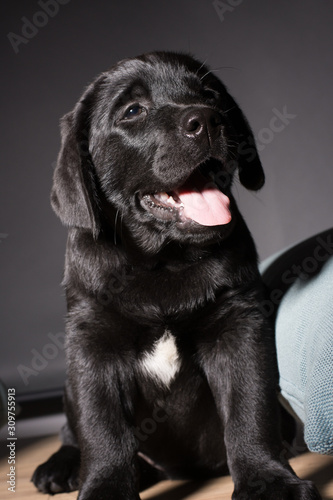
(198, 200)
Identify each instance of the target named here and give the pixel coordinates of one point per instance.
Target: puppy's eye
(133, 111)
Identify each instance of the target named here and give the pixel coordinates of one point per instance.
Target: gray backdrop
(275, 57)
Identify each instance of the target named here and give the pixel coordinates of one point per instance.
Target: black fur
(133, 272)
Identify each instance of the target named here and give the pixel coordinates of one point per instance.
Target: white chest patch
(163, 363)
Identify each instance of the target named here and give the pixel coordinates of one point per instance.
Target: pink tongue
(203, 202)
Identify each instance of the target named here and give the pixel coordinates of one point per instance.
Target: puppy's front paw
(277, 489)
(60, 473)
(107, 489)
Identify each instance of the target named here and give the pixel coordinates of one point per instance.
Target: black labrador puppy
(171, 363)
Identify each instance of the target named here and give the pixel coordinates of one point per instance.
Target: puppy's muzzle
(202, 124)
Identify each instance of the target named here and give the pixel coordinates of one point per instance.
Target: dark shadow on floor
(180, 492)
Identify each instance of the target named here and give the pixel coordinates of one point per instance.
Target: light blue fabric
(304, 339)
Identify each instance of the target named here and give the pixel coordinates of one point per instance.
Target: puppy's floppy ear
(250, 170)
(74, 193)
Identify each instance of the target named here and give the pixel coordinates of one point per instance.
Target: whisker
(230, 109)
(121, 226)
(231, 142)
(115, 227)
(215, 69)
(202, 65)
(202, 77)
(225, 67)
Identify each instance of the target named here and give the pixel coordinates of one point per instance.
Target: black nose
(203, 124)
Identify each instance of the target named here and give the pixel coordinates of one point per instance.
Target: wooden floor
(318, 468)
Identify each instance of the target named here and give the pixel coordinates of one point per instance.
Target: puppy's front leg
(241, 370)
(102, 388)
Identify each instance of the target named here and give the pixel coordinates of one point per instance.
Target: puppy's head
(150, 150)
